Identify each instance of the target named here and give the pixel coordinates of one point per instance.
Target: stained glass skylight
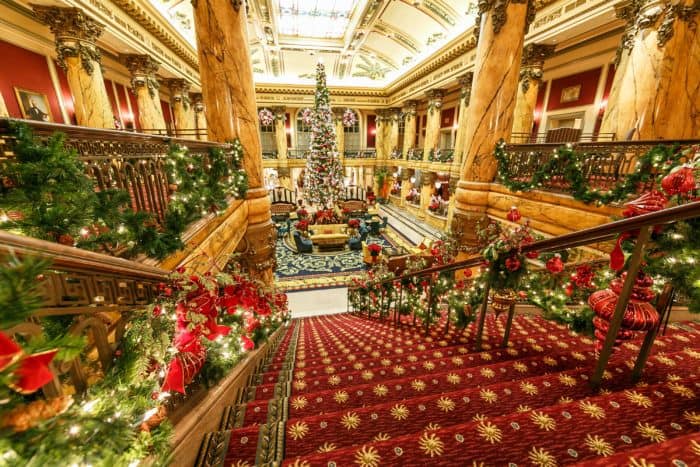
(315, 18)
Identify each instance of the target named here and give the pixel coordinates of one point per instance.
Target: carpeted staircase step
(315, 387)
(491, 399)
(683, 451)
(560, 433)
(398, 417)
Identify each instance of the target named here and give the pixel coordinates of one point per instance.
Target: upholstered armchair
(304, 245)
(355, 242)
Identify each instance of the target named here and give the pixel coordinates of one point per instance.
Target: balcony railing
(134, 162)
(185, 133)
(370, 153)
(604, 165)
(396, 154)
(269, 154)
(415, 154)
(297, 153)
(441, 155)
(560, 135)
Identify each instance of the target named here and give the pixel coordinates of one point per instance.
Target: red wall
(288, 129)
(371, 130)
(26, 70)
(66, 94)
(112, 98)
(447, 118)
(123, 95)
(588, 80)
(167, 114)
(135, 108)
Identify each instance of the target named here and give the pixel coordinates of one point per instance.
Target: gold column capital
(409, 108)
(197, 101)
(143, 70)
(279, 111)
(465, 82)
(532, 62)
(498, 9)
(75, 34)
(179, 91)
(435, 97)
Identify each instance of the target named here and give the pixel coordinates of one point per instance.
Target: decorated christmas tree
(324, 174)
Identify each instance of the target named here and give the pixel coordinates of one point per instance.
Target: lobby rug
(292, 265)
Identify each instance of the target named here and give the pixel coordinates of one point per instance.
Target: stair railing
(643, 224)
(98, 290)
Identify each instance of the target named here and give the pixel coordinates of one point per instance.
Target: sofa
(329, 236)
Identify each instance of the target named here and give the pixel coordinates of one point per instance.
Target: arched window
(351, 128)
(266, 119)
(303, 129)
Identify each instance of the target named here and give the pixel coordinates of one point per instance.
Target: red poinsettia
(247, 343)
(555, 265)
(513, 263)
(31, 372)
(374, 249)
(302, 213)
(680, 181)
(354, 223)
(302, 225)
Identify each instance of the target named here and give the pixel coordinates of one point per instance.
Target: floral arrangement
(266, 117)
(307, 116)
(434, 206)
(503, 252)
(196, 332)
(302, 213)
(302, 225)
(354, 223)
(374, 249)
(349, 118)
(325, 216)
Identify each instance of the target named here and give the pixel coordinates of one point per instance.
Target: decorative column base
(258, 243)
(471, 203)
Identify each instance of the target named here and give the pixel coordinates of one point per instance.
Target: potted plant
(353, 225)
(302, 213)
(374, 250)
(303, 227)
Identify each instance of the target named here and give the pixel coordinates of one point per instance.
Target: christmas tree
(324, 174)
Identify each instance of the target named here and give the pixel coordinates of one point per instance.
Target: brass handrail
(575, 239)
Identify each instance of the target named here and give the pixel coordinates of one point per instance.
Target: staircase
(344, 390)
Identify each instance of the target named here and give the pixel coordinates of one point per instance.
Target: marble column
(229, 95)
(392, 141)
(465, 83)
(379, 137)
(200, 117)
(281, 143)
(531, 74)
(405, 184)
(280, 131)
(656, 89)
(432, 127)
(409, 128)
(426, 191)
(145, 85)
(77, 53)
(501, 31)
(182, 107)
(339, 131)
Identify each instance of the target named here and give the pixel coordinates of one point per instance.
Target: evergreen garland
(111, 424)
(54, 199)
(568, 163)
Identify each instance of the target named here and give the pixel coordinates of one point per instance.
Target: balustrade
(441, 155)
(133, 162)
(604, 163)
(415, 154)
(297, 153)
(370, 153)
(269, 154)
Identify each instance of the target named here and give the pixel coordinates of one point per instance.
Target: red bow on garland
(32, 371)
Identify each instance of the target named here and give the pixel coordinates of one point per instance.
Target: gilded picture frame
(570, 94)
(33, 105)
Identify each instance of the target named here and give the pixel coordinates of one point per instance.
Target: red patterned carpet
(346, 391)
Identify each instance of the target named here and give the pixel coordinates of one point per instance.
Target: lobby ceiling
(367, 43)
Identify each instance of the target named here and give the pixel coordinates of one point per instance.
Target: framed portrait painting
(570, 94)
(33, 105)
